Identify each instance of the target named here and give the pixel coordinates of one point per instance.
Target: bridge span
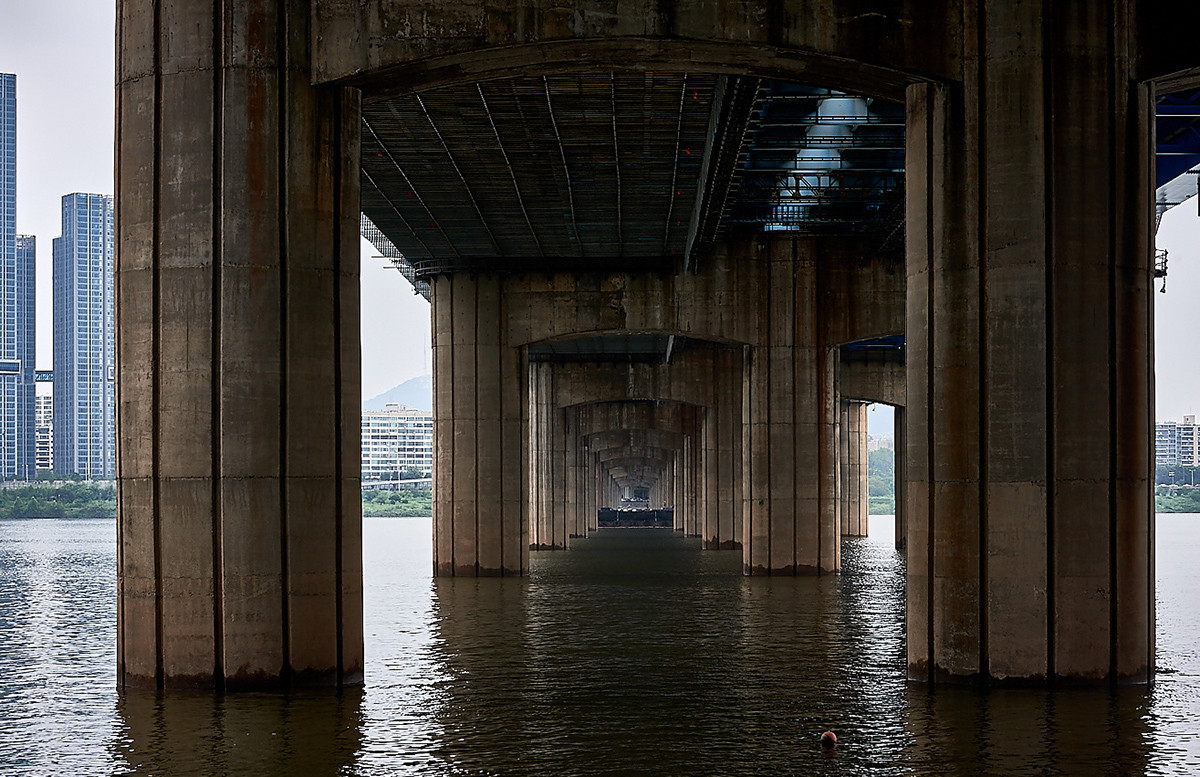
(672, 248)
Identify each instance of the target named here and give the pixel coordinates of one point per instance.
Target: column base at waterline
(798, 570)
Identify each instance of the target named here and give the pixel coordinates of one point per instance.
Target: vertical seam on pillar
(219, 32)
(794, 331)
(1145, 97)
(1048, 96)
(819, 420)
(433, 404)
(285, 599)
(117, 387)
(451, 502)
(156, 350)
(931, 125)
(767, 357)
(500, 397)
(480, 280)
(338, 100)
(1114, 252)
(981, 257)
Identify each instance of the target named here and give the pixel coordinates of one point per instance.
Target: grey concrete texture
(468, 39)
(1027, 509)
(1020, 295)
(240, 562)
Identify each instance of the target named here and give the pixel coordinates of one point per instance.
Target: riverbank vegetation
(99, 500)
(60, 500)
(406, 503)
(881, 482)
(1177, 499)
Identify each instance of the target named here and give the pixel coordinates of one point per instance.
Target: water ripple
(634, 653)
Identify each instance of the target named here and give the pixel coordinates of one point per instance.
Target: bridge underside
(670, 256)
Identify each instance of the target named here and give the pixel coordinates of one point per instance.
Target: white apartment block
(879, 443)
(1177, 443)
(44, 431)
(395, 439)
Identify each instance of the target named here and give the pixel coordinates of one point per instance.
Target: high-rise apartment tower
(84, 372)
(17, 291)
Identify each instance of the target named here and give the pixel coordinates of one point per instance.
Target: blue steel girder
(1177, 132)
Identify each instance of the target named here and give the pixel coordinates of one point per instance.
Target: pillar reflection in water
(267, 735)
(1030, 731)
(484, 707)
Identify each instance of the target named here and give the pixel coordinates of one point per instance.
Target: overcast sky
(62, 53)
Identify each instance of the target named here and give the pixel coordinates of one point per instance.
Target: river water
(634, 653)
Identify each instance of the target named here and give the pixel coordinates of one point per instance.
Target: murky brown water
(635, 653)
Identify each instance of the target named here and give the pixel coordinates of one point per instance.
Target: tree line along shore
(1174, 493)
(99, 500)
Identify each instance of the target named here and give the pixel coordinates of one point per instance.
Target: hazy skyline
(62, 52)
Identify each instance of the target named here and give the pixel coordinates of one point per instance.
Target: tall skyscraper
(84, 373)
(17, 290)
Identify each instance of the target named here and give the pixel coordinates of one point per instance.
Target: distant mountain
(417, 392)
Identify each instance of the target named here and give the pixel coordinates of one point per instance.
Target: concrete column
(722, 438)
(693, 420)
(575, 505)
(559, 471)
(678, 479)
(710, 463)
(790, 426)
(239, 509)
(900, 475)
(843, 481)
(594, 498)
(548, 528)
(1030, 524)
(854, 469)
(479, 524)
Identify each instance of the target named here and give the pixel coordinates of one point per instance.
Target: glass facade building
(17, 294)
(84, 340)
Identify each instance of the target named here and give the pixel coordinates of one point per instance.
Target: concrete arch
(649, 415)
(630, 438)
(877, 52)
(722, 305)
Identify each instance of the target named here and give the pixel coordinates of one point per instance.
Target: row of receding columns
(1029, 361)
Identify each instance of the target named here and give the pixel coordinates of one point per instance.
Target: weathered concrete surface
(1029, 353)
(722, 315)
(861, 299)
(411, 45)
(789, 424)
(852, 456)
(872, 377)
(722, 455)
(479, 419)
(1029, 520)
(239, 548)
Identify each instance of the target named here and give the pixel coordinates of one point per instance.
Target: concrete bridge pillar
(900, 475)
(549, 528)
(478, 400)
(576, 495)
(1030, 525)
(852, 455)
(693, 518)
(239, 523)
(722, 454)
(593, 491)
(789, 425)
